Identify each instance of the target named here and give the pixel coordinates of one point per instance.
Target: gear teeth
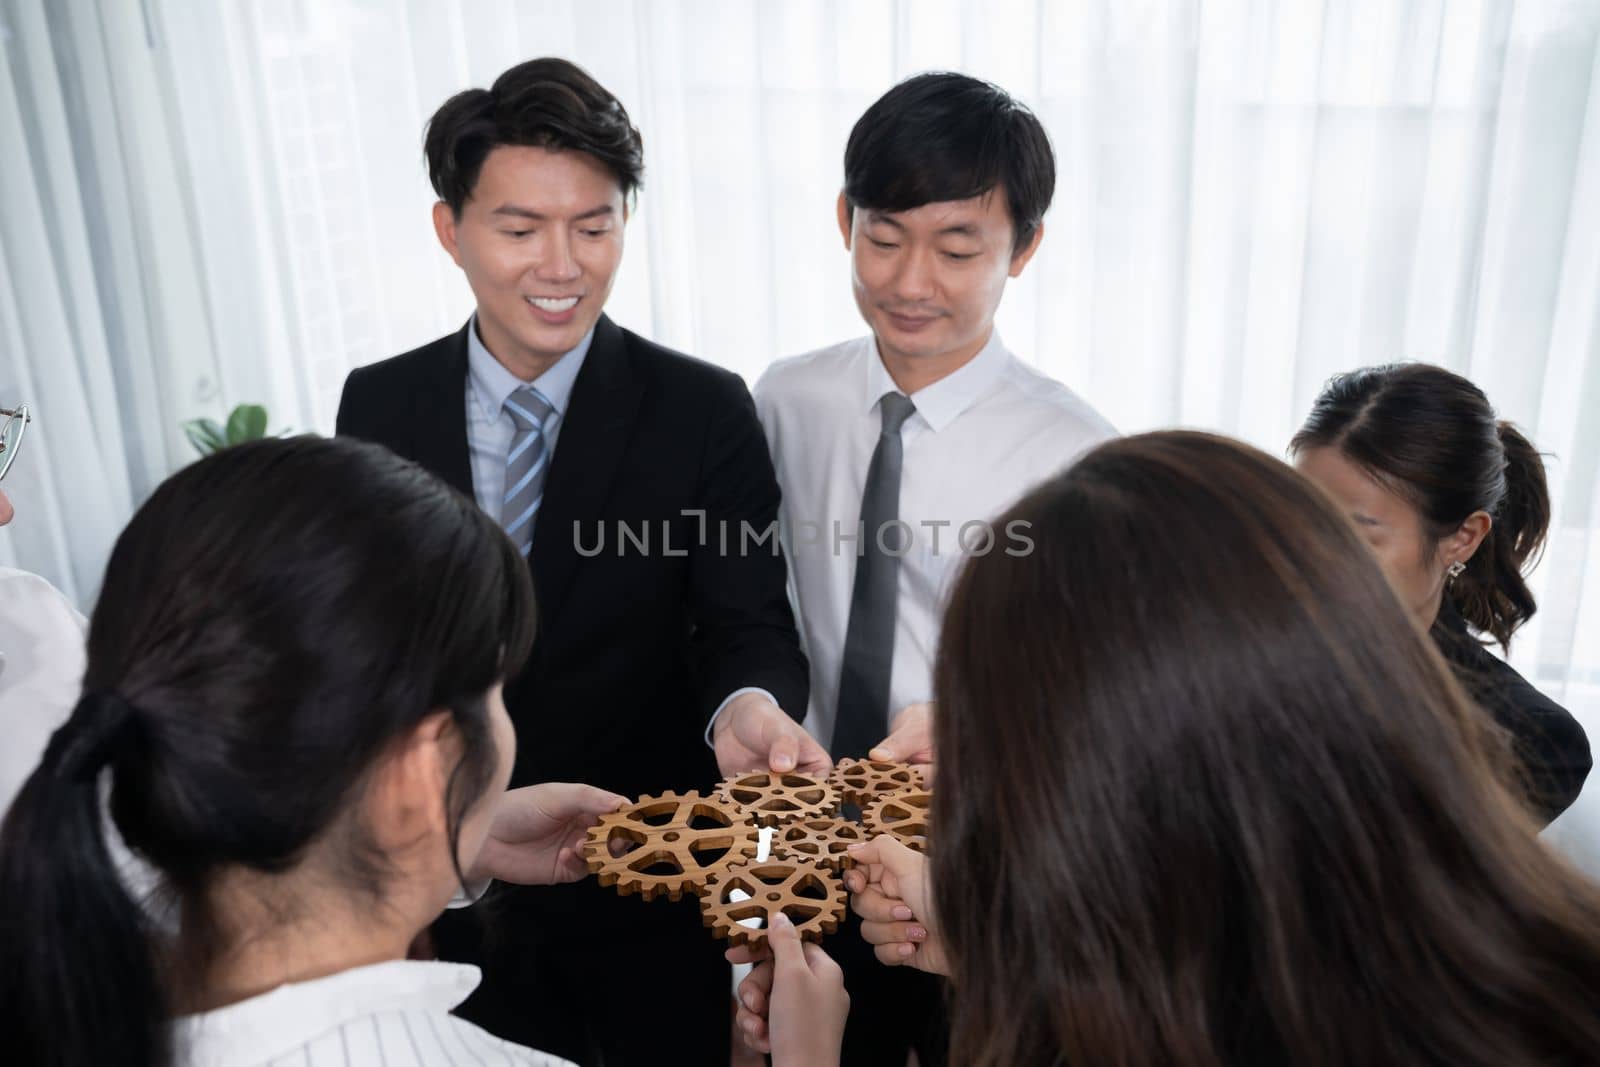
(822, 841)
(671, 841)
(903, 816)
(771, 798)
(773, 886)
(864, 782)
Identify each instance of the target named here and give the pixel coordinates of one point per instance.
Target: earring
(1455, 569)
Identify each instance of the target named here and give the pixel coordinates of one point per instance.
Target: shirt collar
(263, 1027)
(942, 402)
(492, 382)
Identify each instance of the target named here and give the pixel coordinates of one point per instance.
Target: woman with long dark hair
(293, 694)
(1454, 504)
(1208, 796)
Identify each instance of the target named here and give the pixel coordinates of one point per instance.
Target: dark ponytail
(1431, 436)
(271, 621)
(1492, 594)
(56, 863)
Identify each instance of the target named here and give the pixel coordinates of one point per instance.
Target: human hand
(910, 739)
(537, 832)
(793, 1005)
(889, 890)
(754, 734)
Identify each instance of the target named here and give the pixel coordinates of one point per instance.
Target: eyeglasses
(11, 432)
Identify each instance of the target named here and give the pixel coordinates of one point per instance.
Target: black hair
(943, 136)
(542, 103)
(1431, 436)
(271, 620)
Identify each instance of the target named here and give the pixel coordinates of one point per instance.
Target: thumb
(566, 800)
(887, 751)
(898, 747)
(897, 858)
(596, 801)
(787, 949)
(781, 756)
(868, 853)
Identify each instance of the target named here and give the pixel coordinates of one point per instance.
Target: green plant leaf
(248, 422)
(205, 435)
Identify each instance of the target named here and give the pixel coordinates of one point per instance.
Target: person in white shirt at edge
(946, 183)
(41, 666)
(311, 756)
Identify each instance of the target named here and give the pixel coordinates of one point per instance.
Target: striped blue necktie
(526, 464)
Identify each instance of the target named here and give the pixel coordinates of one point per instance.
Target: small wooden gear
(904, 816)
(811, 895)
(863, 782)
(772, 799)
(823, 841)
(677, 842)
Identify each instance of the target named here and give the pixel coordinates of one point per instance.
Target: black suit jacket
(635, 648)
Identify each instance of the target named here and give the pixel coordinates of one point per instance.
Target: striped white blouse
(394, 1014)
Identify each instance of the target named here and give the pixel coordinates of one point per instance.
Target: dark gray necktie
(526, 464)
(863, 708)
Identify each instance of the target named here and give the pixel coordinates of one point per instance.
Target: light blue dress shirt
(490, 429)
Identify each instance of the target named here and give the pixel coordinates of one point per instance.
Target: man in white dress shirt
(896, 451)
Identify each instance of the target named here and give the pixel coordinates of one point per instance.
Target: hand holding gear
(809, 894)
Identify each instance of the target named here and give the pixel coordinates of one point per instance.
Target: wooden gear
(823, 841)
(772, 799)
(864, 782)
(811, 895)
(671, 840)
(903, 816)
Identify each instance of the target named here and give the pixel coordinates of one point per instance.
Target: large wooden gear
(903, 816)
(864, 782)
(675, 842)
(810, 895)
(772, 799)
(823, 841)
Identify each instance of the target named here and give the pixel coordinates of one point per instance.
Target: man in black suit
(581, 437)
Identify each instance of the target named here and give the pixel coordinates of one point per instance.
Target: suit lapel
(594, 435)
(439, 431)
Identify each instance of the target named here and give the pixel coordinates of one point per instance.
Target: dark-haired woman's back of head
(273, 620)
(1220, 802)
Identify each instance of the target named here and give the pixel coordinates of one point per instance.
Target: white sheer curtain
(225, 202)
(99, 330)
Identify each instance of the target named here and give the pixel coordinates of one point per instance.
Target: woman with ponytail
(293, 703)
(1454, 504)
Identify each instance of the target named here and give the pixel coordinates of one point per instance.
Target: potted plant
(247, 422)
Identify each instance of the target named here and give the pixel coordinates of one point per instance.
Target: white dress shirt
(41, 672)
(394, 1014)
(980, 438)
